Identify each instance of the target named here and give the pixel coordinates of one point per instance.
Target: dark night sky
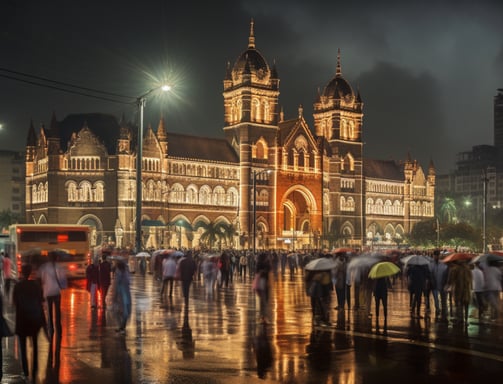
(427, 70)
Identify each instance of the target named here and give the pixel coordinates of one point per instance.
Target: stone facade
(312, 187)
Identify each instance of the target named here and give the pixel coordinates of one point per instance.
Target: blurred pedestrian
(381, 286)
(417, 276)
(478, 287)
(492, 274)
(439, 272)
(7, 273)
(243, 262)
(121, 297)
(187, 268)
(209, 271)
(27, 298)
(105, 279)
(261, 283)
(340, 282)
(460, 280)
(168, 275)
(54, 280)
(92, 279)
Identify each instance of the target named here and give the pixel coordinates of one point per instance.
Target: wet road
(220, 340)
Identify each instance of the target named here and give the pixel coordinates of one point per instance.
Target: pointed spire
(161, 130)
(251, 39)
(31, 139)
(338, 71)
(274, 71)
(281, 115)
(431, 168)
(54, 129)
(228, 71)
(301, 111)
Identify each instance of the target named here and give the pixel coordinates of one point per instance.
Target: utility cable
(65, 85)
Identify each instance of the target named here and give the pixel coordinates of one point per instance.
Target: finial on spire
(251, 39)
(301, 110)
(338, 70)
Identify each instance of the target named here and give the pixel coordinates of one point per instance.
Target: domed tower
(251, 92)
(338, 114)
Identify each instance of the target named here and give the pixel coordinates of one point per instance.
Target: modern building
(273, 182)
(477, 181)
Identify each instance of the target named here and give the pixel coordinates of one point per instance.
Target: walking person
(187, 269)
(381, 287)
(478, 286)
(460, 279)
(105, 279)
(417, 276)
(439, 272)
(92, 280)
(27, 298)
(340, 283)
(261, 283)
(53, 279)
(492, 274)
(243, 262)
(168, 275)
(121, 297)
(7, 273)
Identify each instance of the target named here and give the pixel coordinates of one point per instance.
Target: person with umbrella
(380, 273)
(460, 280)
(417, 275)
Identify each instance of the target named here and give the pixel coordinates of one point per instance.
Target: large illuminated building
(313, 187)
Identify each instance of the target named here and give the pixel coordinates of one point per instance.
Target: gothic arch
(96, 233)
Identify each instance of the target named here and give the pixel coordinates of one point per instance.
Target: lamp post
(179, 234)
(140, 102)
(485, 180)
(254, 189)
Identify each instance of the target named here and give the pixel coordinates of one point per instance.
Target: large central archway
(299, 218)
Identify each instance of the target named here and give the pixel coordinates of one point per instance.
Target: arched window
(232, 195)
(72, 194)
(218, 196)
(99, 191)
(192, 194)
(256, 110)
(204, 195)
(85, 191)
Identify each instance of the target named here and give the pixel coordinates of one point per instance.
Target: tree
(229, 231)
(460, 235)
(424, 233)
(7, 218)
(212, 233)
(448, 210)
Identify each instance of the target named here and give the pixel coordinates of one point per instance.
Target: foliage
(7, 218)
(212, 234)
(448, 210)
(460, 234)
(424, 233)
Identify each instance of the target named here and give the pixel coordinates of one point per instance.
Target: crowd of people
(450, 288)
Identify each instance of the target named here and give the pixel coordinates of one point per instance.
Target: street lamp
(255, 174)
(141, 101)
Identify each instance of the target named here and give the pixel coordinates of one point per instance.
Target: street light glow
(141, 101)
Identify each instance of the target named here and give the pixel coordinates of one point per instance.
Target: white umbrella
(142, 254)
(321, 264)
(416, 260)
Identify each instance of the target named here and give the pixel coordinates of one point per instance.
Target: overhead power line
(60, 86)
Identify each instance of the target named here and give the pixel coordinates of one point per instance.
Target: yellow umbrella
(383, 269)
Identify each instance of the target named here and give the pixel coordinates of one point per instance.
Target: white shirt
(47, 273)
(478, 280)
(168, 267)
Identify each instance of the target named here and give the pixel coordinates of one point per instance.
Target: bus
(31, 243)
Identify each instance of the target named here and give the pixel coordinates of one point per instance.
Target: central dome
(251, 62)
(338, 88)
